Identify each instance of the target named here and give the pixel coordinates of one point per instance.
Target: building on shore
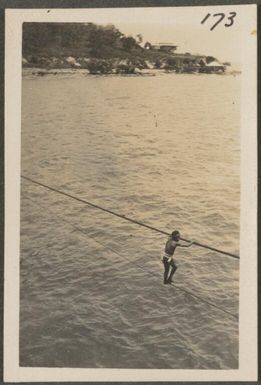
(213, 67)
(163, 47)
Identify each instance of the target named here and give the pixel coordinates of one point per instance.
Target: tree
(210, 59)
(128, 43)
(147, 45)
(140, 38)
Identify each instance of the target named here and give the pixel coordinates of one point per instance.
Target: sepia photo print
(131, 233)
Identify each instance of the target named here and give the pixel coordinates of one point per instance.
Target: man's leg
(173, 269)
(166, 270)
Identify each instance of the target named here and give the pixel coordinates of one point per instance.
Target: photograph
(130, 193)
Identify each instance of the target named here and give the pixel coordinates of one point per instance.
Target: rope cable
(145, 270)
(125, 217)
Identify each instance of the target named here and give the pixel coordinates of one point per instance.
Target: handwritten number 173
(220, 17)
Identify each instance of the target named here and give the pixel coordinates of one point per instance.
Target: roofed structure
(165, 47)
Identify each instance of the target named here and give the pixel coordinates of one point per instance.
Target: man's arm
(185, 245)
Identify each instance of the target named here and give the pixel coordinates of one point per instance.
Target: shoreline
(41, 72)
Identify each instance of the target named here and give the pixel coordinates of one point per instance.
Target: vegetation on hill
(98, 48)
(79, 39)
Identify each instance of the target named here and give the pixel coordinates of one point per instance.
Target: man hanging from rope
(167, 259)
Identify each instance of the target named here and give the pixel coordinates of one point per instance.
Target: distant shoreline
(41, 72)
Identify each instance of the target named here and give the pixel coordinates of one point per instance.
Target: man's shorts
(165, 260)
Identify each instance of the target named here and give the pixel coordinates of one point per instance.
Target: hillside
(101, 49)
(79, 40)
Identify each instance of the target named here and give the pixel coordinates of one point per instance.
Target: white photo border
(248, 366)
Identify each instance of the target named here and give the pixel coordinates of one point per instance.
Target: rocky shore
(176, 63)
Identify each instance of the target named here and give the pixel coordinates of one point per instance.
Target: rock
(70, 60)
(73, 62)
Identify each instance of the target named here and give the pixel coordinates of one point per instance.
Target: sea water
(163, 150)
